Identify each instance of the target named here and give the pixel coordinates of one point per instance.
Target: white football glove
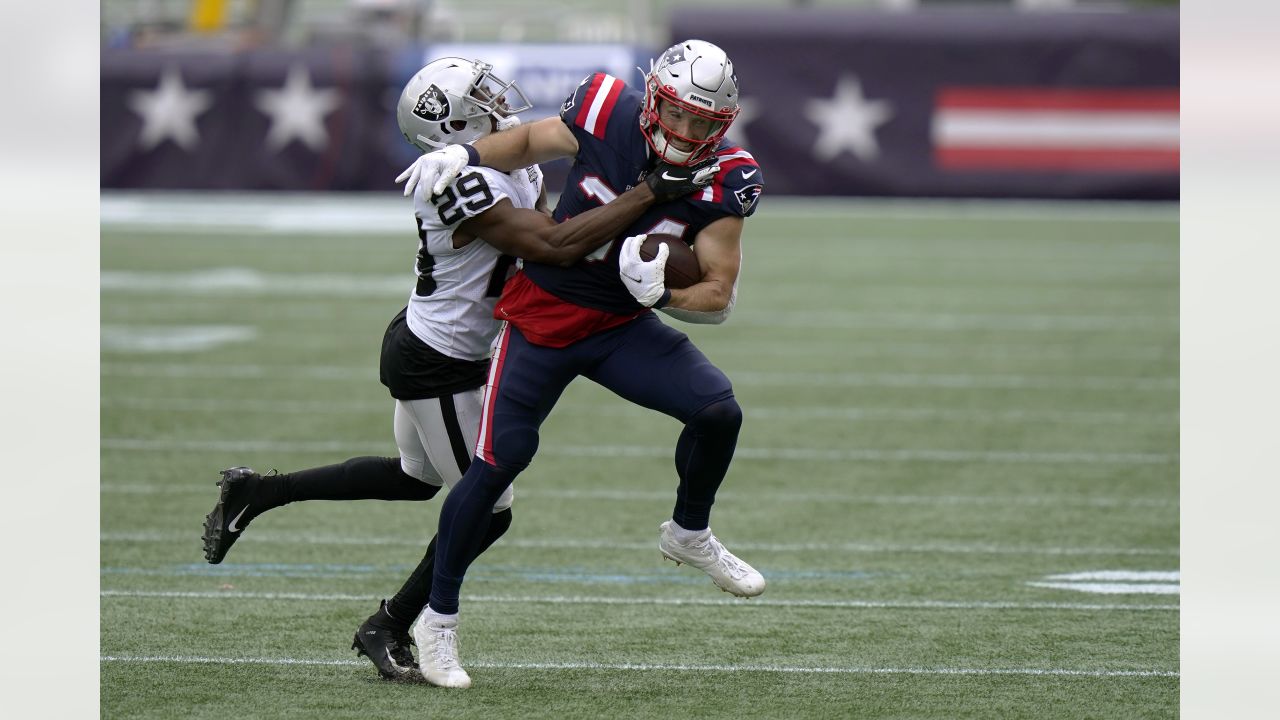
(508, 122)
(430, 174)
(646, 281)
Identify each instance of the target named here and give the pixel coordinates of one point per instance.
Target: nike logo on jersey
(231, 527)
(746, 174)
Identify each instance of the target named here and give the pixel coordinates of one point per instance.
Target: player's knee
(513, 449)
(721, 418)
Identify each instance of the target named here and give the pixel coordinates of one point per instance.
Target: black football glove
(669, 182)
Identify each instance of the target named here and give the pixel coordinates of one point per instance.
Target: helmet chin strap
(432, 143)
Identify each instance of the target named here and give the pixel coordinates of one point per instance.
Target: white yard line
(387, 212)
(1121, 575)
(957, 322)
(641, 451)
(545, 493)
(569, 406)
(1113, 588)
(1032, 349)
(709, 602)
(286, 538)
(651, 667)
(739, 377)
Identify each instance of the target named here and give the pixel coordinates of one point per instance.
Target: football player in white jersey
(435, 352)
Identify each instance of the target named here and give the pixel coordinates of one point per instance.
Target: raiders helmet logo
(747, 197)
(432, 105)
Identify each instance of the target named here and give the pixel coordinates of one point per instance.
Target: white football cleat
(437, 639)
(707, 554)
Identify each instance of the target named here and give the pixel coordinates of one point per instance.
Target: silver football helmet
(454, 100)
(698, 77)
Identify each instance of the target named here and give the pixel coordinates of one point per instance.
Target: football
(682, 265)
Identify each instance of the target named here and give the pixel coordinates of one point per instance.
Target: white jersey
(451, 308)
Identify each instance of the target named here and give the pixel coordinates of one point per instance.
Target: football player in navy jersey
(594, 318)
(435, 352)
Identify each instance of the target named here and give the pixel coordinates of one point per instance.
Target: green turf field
(958, 472)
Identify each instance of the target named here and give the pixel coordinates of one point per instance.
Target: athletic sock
(684, 536)
(361, 478)
(386, 620)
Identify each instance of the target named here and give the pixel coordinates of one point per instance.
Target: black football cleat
(387, 648)
(238, 503)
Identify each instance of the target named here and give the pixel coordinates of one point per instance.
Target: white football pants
(437, 438)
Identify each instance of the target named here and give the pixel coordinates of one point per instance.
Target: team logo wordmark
(703, 101)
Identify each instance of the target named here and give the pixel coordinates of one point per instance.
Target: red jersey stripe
(585, 108)
(484, 449)
(715, 193)
(602, 118)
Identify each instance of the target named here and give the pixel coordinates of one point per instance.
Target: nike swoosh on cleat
(231, 526)
(746, 174)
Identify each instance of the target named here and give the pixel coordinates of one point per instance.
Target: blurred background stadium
(1029, 98)
(956, 346)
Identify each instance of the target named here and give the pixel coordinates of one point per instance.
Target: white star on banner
(297, 111)
(748, 111)
(848, 122)
(169, 112)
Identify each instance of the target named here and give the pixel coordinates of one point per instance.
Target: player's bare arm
(534, 236)
(536, 142)
(719, 251)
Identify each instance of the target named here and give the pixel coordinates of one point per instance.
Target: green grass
(944, 404)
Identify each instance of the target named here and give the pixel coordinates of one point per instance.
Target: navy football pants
(644, 361)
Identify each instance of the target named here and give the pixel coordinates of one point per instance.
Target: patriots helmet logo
(433, 105)
(747, 197)
(673, 55)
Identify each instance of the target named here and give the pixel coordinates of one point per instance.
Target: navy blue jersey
(604, 115)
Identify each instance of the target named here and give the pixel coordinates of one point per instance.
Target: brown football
(683, 269)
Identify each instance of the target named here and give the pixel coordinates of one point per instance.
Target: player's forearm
(701, 317)
(525, 145)
(506, 150)
(583, 233)
(711, 295)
